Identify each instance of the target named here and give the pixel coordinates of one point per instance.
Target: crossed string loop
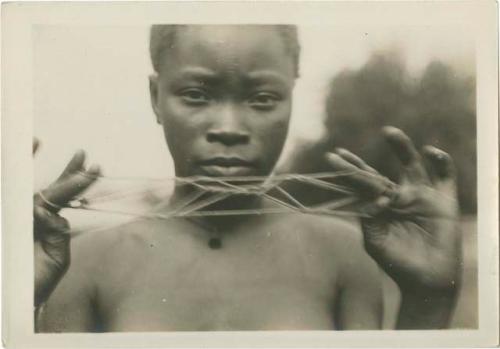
(268, 187)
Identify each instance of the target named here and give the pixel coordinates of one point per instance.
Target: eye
(194, 96)
(264, 101)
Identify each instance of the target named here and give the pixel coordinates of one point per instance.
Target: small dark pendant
(214, 243)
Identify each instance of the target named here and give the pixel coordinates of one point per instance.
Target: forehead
(241, 48)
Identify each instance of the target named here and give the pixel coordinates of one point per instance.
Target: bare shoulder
(343, 236)
(95, 258)
(341, 242)
(358, 278)
(102, 239)
(97, 249)
(340, 236)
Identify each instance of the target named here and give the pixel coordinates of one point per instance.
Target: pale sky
(91, 88)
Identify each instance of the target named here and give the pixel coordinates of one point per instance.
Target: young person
(222, 95)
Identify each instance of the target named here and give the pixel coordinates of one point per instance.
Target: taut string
(220, 188)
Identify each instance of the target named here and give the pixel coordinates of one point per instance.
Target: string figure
(345, 203)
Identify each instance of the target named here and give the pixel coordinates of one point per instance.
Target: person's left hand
(412, 228)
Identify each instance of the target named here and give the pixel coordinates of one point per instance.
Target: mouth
(226, 166)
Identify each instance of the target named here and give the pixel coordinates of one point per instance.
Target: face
(223, 98)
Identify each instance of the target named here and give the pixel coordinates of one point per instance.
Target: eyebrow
(266, 75)
(198, 73)
(208, 75)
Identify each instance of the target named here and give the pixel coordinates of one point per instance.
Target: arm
(71, 306)
(51, 238)
(426, 311)
(411, 229)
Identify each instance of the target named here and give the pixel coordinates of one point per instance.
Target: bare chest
(268, 282)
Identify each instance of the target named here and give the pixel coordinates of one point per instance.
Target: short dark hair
(162, 38)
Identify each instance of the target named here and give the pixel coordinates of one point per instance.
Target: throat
(216, 227)
(213, 235)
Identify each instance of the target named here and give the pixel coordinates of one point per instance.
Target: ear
(153, 92)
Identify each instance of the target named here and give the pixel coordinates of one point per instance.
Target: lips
(226, 166)
(226, 162)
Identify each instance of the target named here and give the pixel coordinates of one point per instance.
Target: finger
(59, 193)
(364, 182)
(442, 164)
(354, 159)
(441, 168)
(48, 222)
(36, 144)
(402, 145)
(395, 195)
(74, 165)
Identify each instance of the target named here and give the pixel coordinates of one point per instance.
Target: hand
(412, 228)
(52, 241)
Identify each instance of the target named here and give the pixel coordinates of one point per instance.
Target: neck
(189, 198)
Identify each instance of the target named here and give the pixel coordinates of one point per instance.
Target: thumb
(374, 224)
(60, 192)
(374, 235)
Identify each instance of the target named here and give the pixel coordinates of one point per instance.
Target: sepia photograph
(190, 175)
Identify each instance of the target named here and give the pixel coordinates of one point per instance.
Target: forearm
(426, 309)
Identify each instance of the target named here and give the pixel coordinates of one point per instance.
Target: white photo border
(17, 164)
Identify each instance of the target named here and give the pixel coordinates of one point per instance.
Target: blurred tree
(437, 108)
(445, 105)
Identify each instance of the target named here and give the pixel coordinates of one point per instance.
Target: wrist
(418, 291)
(427, 308)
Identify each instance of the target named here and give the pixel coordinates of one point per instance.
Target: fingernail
(79, 154)
(439, 156)
(332, 157)
(390, 129)
(94, 169)
(383, 201)
(75, 204)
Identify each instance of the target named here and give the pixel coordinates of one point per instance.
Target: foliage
(437, 108)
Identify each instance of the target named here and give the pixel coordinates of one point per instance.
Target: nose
(228, 129)
(227, 137)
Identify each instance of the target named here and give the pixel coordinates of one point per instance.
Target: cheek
(179, 126)
(180, 118)
(273, 133)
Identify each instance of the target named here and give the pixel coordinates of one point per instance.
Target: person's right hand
(52, 241)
